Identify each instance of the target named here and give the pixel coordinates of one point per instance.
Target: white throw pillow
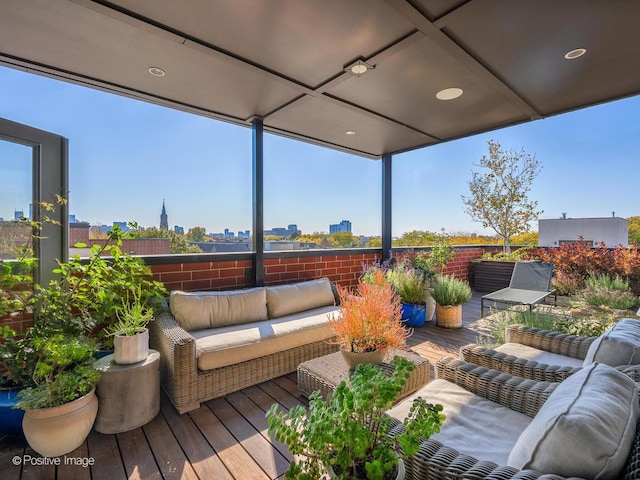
(619, 345)
(298, 297)
(585, 429)
(200, 310)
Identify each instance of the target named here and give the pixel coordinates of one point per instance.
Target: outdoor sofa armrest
(178, 367)
(554, 342)
(520, 367)
(519, 394)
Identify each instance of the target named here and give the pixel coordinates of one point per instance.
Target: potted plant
(350, 436)
(61, 406)
(368, 322)
(410, 286)
(131, 336)
(449, 294)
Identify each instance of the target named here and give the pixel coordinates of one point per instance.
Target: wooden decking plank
(290, 386)
(172, 461)
(235, 458)
(259, 448)
(203, 458)
(76, 465)
(11, 447)
(31, 469)
(138, 460)
(106, 454)
(256, 416)
(279, 395)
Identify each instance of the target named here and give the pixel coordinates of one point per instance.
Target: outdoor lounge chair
(530, 284)
(500, 426)
(551, 356)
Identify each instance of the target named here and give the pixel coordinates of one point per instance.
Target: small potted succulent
(368, 322)
(350, 436)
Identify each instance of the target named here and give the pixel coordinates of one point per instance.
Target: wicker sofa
(551, 356)
(215, 343)
(585, 427)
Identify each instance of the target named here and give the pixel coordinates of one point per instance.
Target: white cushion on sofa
(202, 310)
(297, 297)
(541, 356)
(474, 425)
(619, 345)
(585, 428)
(225, 346)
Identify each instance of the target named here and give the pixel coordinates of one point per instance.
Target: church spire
(164, 220)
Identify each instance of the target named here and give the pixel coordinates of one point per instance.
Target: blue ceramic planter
(413, 315)
(10, 418)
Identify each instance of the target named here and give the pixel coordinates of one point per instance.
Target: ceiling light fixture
(350, 132)
(157, 72)
(359, 68)
(449, 93)
(575, 53)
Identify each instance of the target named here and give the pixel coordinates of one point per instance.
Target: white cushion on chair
(619, 345)
(585, 429)
(541, 356)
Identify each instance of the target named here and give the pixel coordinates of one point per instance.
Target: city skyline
(126, 156)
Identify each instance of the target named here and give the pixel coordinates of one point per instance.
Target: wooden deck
(224, 439)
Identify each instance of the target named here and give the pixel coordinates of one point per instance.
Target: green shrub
(408, 283)
(448, 290)
(503, 318)
(611, 291)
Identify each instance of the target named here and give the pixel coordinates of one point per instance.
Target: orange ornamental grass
(369, 319)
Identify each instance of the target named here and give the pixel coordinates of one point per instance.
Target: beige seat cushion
(540, 356)
(474, 425)
(298, 297)
(202, 310)
(225, 346)
(585, 429)
(619, 345)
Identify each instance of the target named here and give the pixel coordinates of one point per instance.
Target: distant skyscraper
(343, 226)
(164, 219)
(179, 229)
(17, 214)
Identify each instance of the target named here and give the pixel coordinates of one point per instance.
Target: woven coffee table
(326, 373)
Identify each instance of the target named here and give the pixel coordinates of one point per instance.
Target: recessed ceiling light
(158, 72)
(575, 53)
(350, 132)
(449, 93)
(359, 68)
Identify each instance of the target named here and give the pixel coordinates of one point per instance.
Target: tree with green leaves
(499, 197)
(634, 230)
(197, 234)
(177, 242)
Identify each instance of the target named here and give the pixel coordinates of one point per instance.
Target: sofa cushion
(619, 345)
(298, 297)
(585, 428)
(225, 346)
(471, 426)
(202, 310)
(541, 356)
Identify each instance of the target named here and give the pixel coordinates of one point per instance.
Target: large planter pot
(431, 308)
(413, 315)
(10, 418)
(400, 471)
(131, 349)
(449, 316)
(56, 431)
(354, 358)
(491, 275)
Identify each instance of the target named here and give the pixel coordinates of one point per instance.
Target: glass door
(33, 169)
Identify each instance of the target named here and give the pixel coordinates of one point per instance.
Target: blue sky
(127, 156)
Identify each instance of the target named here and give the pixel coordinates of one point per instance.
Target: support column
(386, 206)
(258, 201)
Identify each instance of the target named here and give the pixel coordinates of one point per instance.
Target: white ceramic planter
(56, 431)
(131, 349)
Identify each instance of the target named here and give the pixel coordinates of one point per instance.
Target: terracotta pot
(449, 316)
(56, 431)
(354, 358)
(131, 349)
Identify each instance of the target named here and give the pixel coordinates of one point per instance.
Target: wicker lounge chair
(530, 284)
(542, 355)
(437, 460)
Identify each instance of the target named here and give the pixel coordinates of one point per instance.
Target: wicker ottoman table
(326, 373)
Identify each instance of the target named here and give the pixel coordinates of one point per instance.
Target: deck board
(225, 438)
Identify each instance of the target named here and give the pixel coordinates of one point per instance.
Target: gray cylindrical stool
(128, 395)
